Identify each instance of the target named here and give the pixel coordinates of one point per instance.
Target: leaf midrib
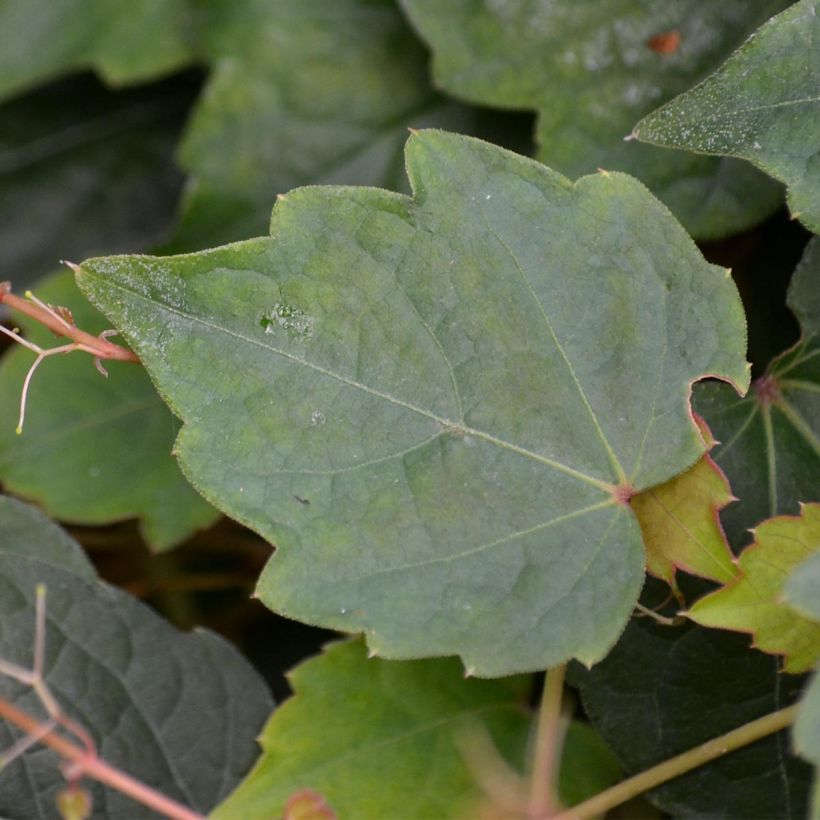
(455, 426)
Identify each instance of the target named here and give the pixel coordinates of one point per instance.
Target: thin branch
(676, 766)
(549, 740)
(89, 765)
(97, 345)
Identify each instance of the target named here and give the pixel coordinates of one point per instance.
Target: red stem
(92, 766)
(101, 347)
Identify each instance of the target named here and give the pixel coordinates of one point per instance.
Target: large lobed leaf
(591, 71)
(763, 105)
(436, 406)
(93, 450)
(178, 711)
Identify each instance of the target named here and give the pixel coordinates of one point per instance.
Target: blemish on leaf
(766, 390)
(293, 320)
(666, 42)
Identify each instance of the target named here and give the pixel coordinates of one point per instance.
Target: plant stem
(548, 741)
(676, 766)
(93, 344)
(92, 766)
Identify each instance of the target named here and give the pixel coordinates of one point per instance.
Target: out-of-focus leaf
(806, 735)
(762, 105)
(84, 170)
(93, 450)
(663, 691)
(591, 71)
(802, 590)
(301, 93)
(754, 602)
(124, 42)
(416, 399)
(680, 524)
(381, 739)
(770, 440)
(178, 711)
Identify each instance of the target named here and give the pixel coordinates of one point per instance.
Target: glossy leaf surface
(754, 602)
(591, 71)
(762, 105)
(414, 399)
(93, 450)
(178, 711)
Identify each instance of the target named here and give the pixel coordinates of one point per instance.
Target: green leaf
(680, 523)
(761, 105)
(301, 93)
(806, 734)
(93, 450)
(663, 691)
(590, 71)
(754, 603)
(178, 711)
(802, 590)
(770, 447)
(26, 531)
(381, 739)
(86, 171)
(124, 43)
(414, 399)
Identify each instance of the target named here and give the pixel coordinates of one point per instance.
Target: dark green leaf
(591, 70)
(177, 711)
(762, 105)
(415, 399)
(84, 170)
(125, 43)
(770, 448)
(93, 450)
(301, 93)
(664, 690)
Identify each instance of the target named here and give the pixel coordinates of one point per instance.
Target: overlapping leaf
(591, 71)
(754, 602)
(301, 93)
(123, 42)
(179, 712)
(770, 440)
(807, 736)
(93, 450)
(84, 170)
(763, 105)
(435, 407)
(360, 733)
(680, 524)
(663, 691)
(802, 590)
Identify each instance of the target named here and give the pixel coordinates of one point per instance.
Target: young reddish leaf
(680, 524)
(754, 602)
(307, 804)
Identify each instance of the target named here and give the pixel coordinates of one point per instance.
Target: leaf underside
(432, 405)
